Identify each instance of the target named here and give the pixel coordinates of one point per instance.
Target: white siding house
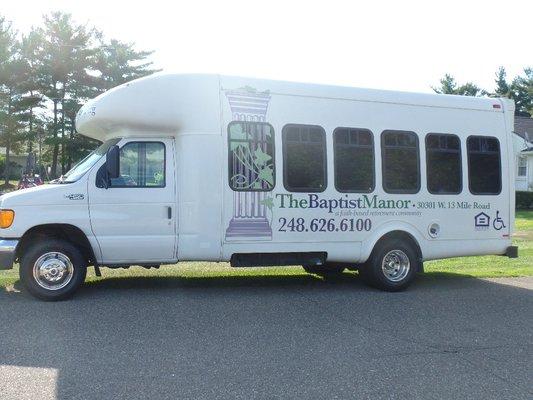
(523, 146)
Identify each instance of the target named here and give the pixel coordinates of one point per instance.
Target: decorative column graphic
(251, 165)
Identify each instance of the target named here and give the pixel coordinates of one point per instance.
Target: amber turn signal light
(6, 218)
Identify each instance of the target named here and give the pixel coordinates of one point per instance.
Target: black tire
(396, 251)
(324, 270)
(61, 248)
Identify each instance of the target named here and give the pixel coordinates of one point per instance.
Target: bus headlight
(6, 218)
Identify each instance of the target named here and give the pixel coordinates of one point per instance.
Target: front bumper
(7, 252)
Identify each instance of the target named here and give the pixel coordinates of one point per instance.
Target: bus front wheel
(52, 269)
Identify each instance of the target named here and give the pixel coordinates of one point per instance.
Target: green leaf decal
(267, 175)
(261, 158)
(237, 132)
(268, 202)
(234, 145)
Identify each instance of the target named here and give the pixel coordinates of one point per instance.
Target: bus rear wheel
(324, 270)
(392, 266)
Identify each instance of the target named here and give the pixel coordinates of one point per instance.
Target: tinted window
(484, 172)
(142, 164)
(304, 158)
(443, 159)
(400, 162)
(251, 156)
(354, 160)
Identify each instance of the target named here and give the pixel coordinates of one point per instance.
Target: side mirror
(112, 162)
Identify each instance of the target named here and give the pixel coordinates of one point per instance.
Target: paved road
(270, 338)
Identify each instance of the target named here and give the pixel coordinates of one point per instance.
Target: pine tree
(502, 87)
(47, 75)
(522, 93)
(11, 102)
(448, 85)
(31, 84)
(113, 63)
(67, 56)
(119, 63)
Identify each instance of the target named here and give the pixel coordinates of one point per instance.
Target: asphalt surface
(269, 338)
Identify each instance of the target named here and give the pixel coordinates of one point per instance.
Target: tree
(520, 90)
(77, 146)
(67, 56)
(78, 65)
(45, 77)
(448, 85)
(113, 64)
(119, 63)
(11, 105)
(522, 93)
(31, 86)
(502, 87)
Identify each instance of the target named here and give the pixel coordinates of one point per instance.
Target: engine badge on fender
(75, 196)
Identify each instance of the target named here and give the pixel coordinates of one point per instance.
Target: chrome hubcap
(395, 265)
(53, 271)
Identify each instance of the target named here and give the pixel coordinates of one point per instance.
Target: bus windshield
(86, 164)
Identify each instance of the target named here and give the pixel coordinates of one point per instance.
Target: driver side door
(134, 218)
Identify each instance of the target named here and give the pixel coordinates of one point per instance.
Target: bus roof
(170, 103)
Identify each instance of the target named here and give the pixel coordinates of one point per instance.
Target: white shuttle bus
(260, 173)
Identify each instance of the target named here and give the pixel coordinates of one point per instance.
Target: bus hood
(48, 194)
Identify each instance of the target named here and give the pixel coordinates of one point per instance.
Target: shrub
(14, 169)
(524, 200)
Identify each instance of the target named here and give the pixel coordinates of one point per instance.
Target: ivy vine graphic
(255, 168)
(268, 202)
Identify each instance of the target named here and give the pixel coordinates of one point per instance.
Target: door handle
(169, 212)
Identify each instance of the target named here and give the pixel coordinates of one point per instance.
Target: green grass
(486, 266)
(524, 221)
(494, 266)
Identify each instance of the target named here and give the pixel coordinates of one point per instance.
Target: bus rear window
(484, 165)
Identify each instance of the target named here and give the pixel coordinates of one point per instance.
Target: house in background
(17, 161)
(523, 148)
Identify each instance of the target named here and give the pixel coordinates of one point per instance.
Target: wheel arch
(67, 232)
(393, 231)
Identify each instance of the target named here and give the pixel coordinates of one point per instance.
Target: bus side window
(304, 158)
(251, 156)
(400, 162)
(484, 165)
(354, 160)
(443, 164)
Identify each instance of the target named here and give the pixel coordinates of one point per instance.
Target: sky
(399, 45)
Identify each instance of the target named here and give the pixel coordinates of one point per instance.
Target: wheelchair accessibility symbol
(498, 222)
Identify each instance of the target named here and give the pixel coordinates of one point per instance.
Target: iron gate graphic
(251, 165)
